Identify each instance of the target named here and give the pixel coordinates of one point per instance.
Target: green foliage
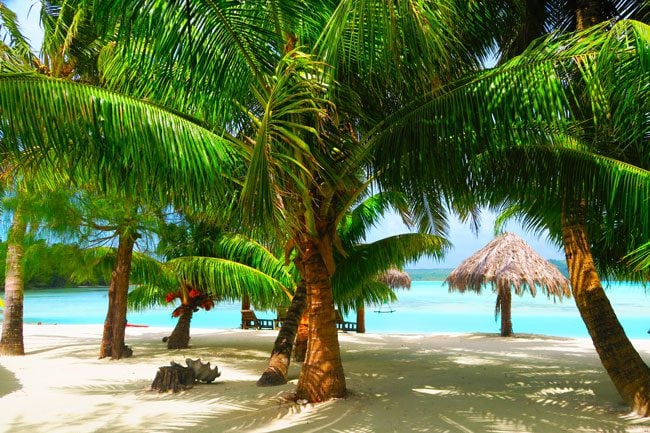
(98, 127)
(564, 122)
(53, 265)
(429, 274)
(234, 266)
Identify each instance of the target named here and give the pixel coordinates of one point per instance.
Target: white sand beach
(397, 383)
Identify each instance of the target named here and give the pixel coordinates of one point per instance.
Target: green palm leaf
(369, 292)
(282, 157)
(366, 262)
(616, 194)
(251, 253)
(220, 45)
(527, 100)
(146, 296)
(124, 144)
(18, 44)
(355, 224)
(231, 281)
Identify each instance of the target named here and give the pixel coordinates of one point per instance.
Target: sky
(465, 243)
(28, 12)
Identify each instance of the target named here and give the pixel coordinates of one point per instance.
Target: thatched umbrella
(508, 262)
(393, 278)
(396, 279)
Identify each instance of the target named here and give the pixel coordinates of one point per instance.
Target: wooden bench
(344, 326)
(281, 317)
(249, 320)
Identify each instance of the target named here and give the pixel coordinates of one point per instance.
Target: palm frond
(147, 270)
(72, 40)
(616, 192)
(291, 105)
(18, 43)
(98, 260)
(640, 258)
(125, 144)
(356, 222)
(251, 253)
(370, 292)
(368, 261)
(193, 49)
(145, 296)
(408, 42)
(527, 100)
(228, 280)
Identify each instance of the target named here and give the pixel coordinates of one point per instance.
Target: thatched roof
(394, 278)
(508, 262)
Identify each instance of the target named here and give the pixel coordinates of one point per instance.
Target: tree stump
(175, 378)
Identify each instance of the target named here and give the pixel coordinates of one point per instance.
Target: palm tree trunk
(506, 312)
(361, 318)
(628, 372)
(588, 13)
(276, 371)
(114, 326)
(245, 305)
(12, 327)
(180, 336)
(626, 369)
(300, 346)
(321, 377)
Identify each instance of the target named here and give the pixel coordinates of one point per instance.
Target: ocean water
(427, 307)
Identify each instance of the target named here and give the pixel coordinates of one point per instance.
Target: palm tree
(295, 95)
(11, 342)
(124, 225)
(72, 47)
(557, 131)
(229, 268)
(601, 132)
(12, 326)
(359, 267)
(31, 208)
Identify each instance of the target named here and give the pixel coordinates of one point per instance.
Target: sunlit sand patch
(565, 390)
(560, 396)
(474, 360)
(454, 392)
(439, 392)
(421, 383)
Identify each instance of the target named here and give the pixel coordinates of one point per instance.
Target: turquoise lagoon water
(427, 307)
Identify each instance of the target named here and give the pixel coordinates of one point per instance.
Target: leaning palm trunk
(321, 377)
(180, 336)
(278, 368)
(300, 346)
(12, 327)
(626, 369)
(628, 372)
(114, 326)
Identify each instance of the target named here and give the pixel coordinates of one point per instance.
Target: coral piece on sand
(203, 372)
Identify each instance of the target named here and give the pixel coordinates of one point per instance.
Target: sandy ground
(397, 383)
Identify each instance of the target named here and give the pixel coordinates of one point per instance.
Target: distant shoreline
(439, 274)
